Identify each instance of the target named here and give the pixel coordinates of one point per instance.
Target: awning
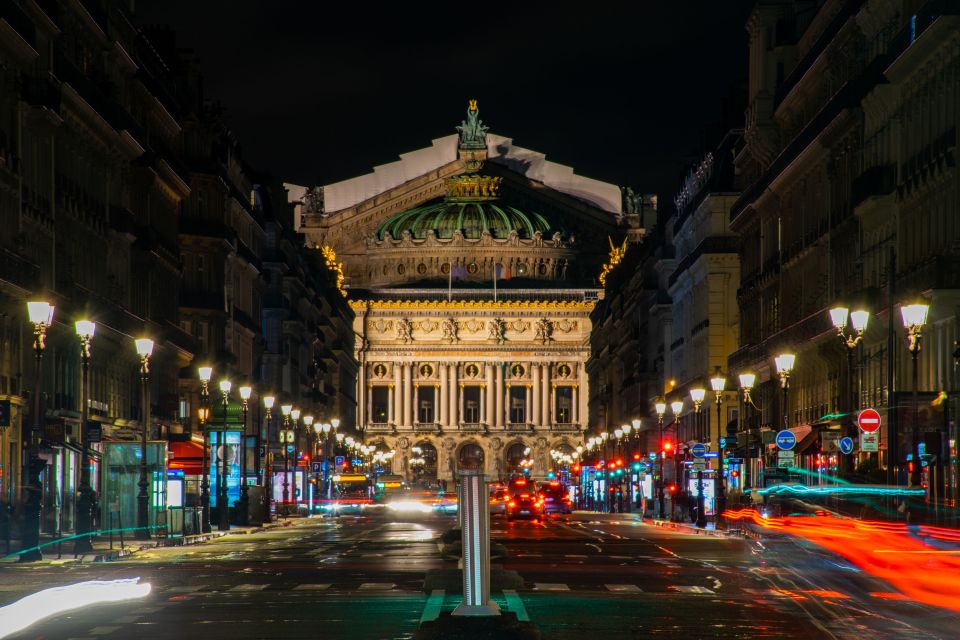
(187, 456)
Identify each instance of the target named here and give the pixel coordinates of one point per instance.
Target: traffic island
(451, 580)
(505, 626)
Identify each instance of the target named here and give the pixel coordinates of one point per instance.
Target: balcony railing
(472, 427)
(565, 427)
(519, 427)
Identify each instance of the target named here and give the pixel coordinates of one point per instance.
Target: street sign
(869, 442)
(869, 420)
(786, 458)
(734, 460)
(699, 449)
(699, 466)
(290, 448)
(711, 454)
(786, 440)
(316, 467)
(723, 442)
(846, 445)
(338, 461)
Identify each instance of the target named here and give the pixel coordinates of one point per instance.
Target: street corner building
(472, 266)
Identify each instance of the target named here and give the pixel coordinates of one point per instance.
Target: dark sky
(627, 92)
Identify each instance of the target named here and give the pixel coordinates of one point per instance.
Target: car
(522, 485)
(524, 506)
(555, 499)
(498, 500)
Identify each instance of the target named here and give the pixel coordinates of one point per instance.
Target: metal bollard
(475, 519)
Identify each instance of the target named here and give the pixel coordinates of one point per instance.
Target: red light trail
(907, 556)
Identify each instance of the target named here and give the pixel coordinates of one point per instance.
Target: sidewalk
(103, 553)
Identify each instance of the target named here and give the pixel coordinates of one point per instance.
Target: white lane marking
(623, 588)
(693, 589)
(550, 586)
(249, 587)
(377, 586)
(188, 588)
(529, 555)
(515, 604)
(576, 555)
(311, 587)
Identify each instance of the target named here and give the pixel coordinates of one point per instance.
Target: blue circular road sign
(786, 440)
(846, 445)
(698, 450)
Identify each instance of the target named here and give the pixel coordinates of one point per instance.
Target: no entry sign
(869, 420)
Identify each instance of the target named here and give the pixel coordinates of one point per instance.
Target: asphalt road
(362, 578)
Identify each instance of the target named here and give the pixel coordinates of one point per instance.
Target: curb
(692, 529)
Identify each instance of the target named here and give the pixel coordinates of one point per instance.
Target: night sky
(627, 92)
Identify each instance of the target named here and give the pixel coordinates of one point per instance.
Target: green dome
(472, 218)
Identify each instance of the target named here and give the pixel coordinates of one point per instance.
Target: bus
(349, 493)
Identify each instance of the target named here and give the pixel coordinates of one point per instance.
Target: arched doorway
(423, 463)
(470, 457)
(513, 456)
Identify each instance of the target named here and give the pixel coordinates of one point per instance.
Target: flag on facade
(503, 273)
(458, 271)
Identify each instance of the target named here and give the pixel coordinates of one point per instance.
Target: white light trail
(17, 616)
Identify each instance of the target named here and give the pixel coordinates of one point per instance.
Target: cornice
(427, 305)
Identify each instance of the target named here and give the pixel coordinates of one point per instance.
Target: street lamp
(677, 407)
(88, 499)
(697, 394)
(747, 381)
(268, 402)
(41, 317)
(718, 383)
(295, 417)
(243, 506)
(285, 409)
(859, 320)
(785, 362)
(144, 350)
(223, 513)
(206, 373)
(914, 317)
(661, 407)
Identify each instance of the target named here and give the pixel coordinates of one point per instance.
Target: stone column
(535, 391)
(453, 416)
(391, 398)
(545, 396)
(498, 399)
(442, 396)
(407, 394)
(526, 403)
(483, 404)
(575, 404)
(416, 404)
(489, 396)
(397, 393)
(368, 402)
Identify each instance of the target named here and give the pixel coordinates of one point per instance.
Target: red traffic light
(667, 447)
(734, 474)
(619, 462)
(671, 488)
(636, 456)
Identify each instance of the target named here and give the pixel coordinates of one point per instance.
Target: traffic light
(619, 462)
(636, 456)
(671, 488)
(667, 448)
(734, 474)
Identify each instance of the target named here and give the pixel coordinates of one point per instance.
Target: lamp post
(914, 317)
(718, 383)
(677, 407)
(784, 363)
(41, 317)
(243, 506)
(223, 511)
(268, 402)
(661, 407)
(88, 499)
(285, 409)
(859, 320)
(747, 380)
(295, 418)
(697, 394)
(144, 350)
(206, 373)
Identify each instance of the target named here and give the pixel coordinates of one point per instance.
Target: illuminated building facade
(472, 268)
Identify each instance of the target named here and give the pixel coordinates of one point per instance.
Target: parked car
(524, 506)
